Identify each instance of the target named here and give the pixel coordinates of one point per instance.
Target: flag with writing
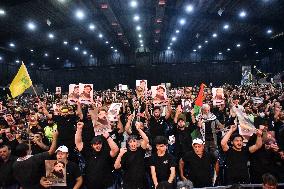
(21, 82)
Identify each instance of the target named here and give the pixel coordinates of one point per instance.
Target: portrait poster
(186, 105)
(218, 96)
(86, 93)
(159, 94)
(56, 172)
(113, 111)
(58, 90)
(142, 84)
(246, 75)
(73, 95)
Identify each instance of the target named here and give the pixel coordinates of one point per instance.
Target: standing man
(74, 178)
(99, 159)
(197, 166)
(162, 163)
(132, 161)
(237, 156)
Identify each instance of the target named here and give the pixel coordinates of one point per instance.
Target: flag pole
(32, 85)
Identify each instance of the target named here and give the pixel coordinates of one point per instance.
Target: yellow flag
(21, 82)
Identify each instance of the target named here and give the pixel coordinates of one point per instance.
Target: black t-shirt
(72, 173)
(99, 166)
(28, 172)
(6, 172)
(236, 166)
(199, 170)
(163, 165)
(157, 127)
(66, 129)
(132, 163)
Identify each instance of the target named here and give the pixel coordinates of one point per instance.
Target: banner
(246, 75)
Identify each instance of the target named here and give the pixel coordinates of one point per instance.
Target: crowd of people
(150, 145)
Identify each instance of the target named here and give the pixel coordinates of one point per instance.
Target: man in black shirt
(162, 163)
(7, 179)
(99, 159)
(74, 178)
(132, 161)
(237, 156)
(197, 166)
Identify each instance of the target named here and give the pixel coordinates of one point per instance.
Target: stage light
(189, 8)
(199, 46)
(269, 31)
(92, 27)
(182, 21)
(177, 31)
(256, 52)
(228, 49)
(133, 4)
(76, 48)
(107, 42)
(100, 35)
(206, 41)
(138, 28)
(115, 50)
(17, 61)
(32, 50)
(31, 26)
(91, 55)
(32, 64)
(2, 12)
(174, 38)
(111, 47)
(85, 53)
(65, 42)
(139, 35)
(220, 53)
(214, 35)
(136, 18)
(169, 48)
(141, 41)
(141, 45)
(270, 48)
(226, 26)
(12, 45)
(242, 14)
(171, 44)
(80, 14)
(238, 45)
(57, 58)
(1, 58)
(194, 50)
(50, 36)
(46, 54)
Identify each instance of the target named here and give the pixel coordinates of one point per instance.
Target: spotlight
(194, 50)
(139, 35)
(228, 49)
(141, 41)
(138, 28)
(226, 26)
(220, 53)
(115, 50)
(31, 26)
(111, 47)
(141, 45)
(169, 48)
(171, 44)
(2, 12)
(17, 61)
(12, 45)
(242, 14)
(50, 36)
(107, 42)
(100, 35)
(206, 41)
(65, 42)
(214, 35)
(92, 27)
(46, 54)
(199, 46)
(136, 18)
(256, 52)
(57, 58)
(270, 48)
(189, 8)
(76, 48)
(133, 4)
(182, 21)
(269, 31)
(238, 45)
(174, 38)
(177, 31)
(32, 50)
(1, 58)
(85, 53)
(80, 14)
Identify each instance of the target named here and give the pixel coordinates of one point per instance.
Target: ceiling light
(220, 53)
(139, 35)
(228, 49)
(76, 48)
(115, 50)
(136, 18)
(238, 45)
(141, 45)
(206, 41)
(214, 35)
(80, 14)
(174, 38)
(133, 4)
(32, 64)
(141, 41)
(91, 55)
(189, 8)
(65, 42)
(107, 42)
(182, 21)
(50, 36)
(17, 61)
(32, 50)
(111, 47)
(171, 44)
(85, 53)
(100, 35)
(1, 58)
(31, 26)
(226, 26)
(45, 54)
(256, 52)
(2, 12)
(177, 31)
(242, 14)
(12, 45)
(270, 48)
(269, 31)
(57, 58)
(169, 48)
(138, 28)
(199, 46)
(92, 26)
(194, 50)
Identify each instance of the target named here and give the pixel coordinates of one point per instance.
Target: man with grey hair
(209, 125)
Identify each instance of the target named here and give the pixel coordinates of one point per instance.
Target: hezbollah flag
(21, 82)
(199, 99)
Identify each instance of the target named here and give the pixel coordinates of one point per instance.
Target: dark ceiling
(114, 19)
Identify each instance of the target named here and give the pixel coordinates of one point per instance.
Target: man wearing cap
(197, 166)
(162, 163)
(99, 159)
(74, 178)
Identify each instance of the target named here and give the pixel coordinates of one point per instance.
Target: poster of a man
(114, 111)
(218, 96)
(142, 84)
(159, 94)
(86, 93)
(56, 172)
(73, 95)
(58, 90)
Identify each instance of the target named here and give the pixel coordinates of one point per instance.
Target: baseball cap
(62, 149)
(197, 141)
